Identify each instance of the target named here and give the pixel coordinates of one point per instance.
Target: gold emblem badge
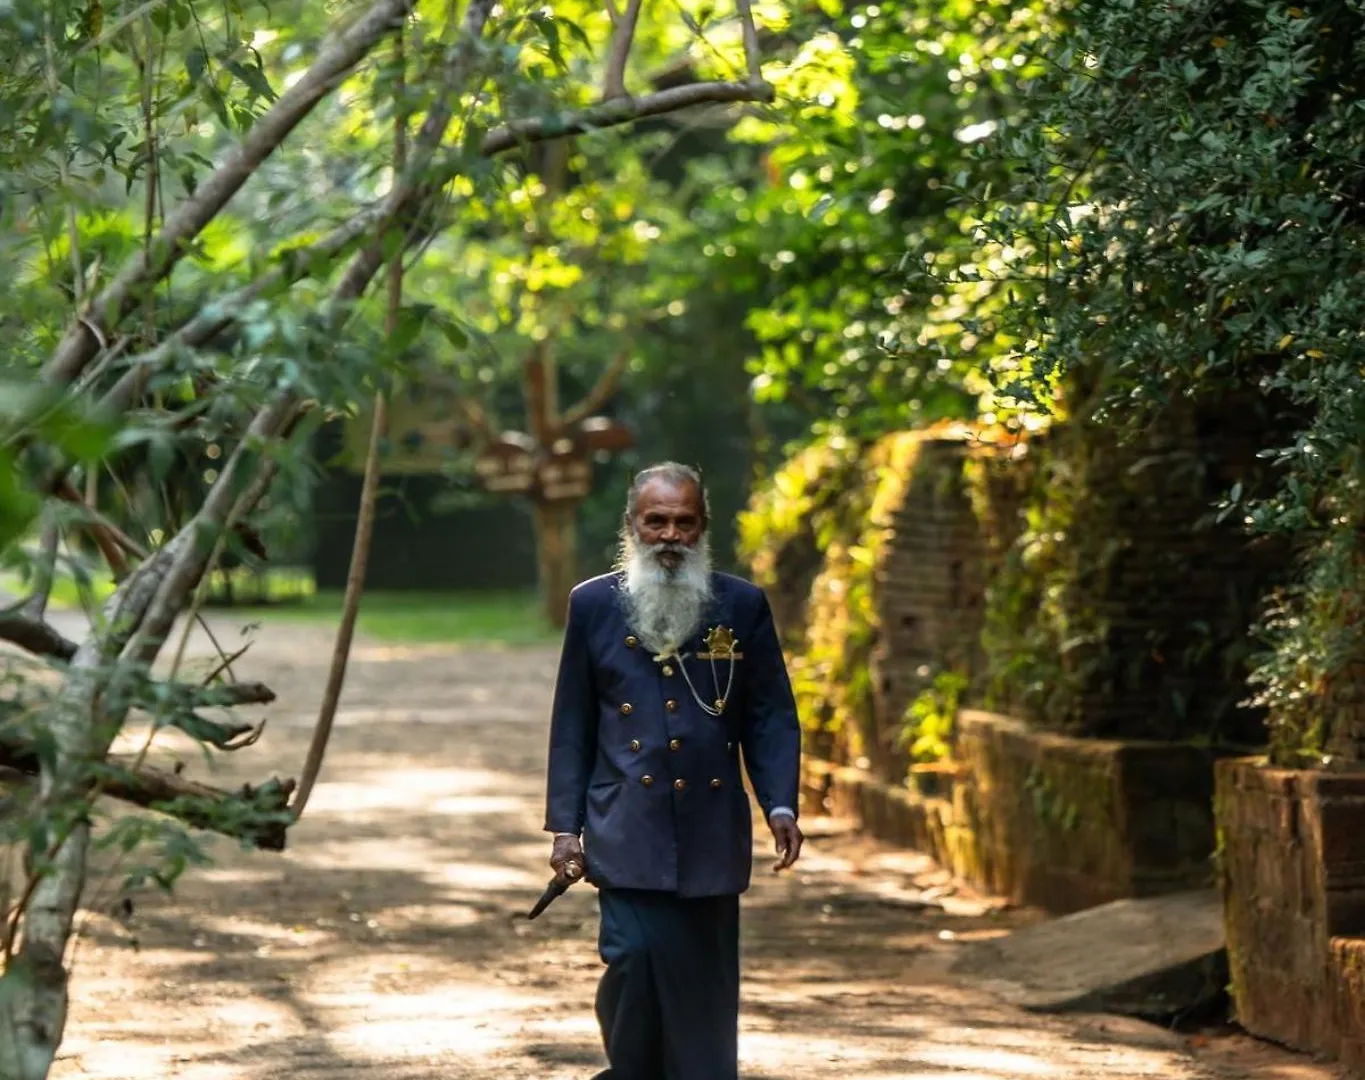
(720, 645)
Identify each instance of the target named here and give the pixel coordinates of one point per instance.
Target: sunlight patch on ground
(409, 854)
(470, 1018)
(298, 935)
(96, 1061)
(769, 1051)
(450, 915)
(403, 789)
(257, 874)
(581, 1028)
(995, 1061)
(454, 714)
(489, 876)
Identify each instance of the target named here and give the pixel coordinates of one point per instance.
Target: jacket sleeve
(771, 736)
(573, 729)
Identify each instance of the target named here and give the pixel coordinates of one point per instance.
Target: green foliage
(931, 717)
(1182, 221)
(896, 96)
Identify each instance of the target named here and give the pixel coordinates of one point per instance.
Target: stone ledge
(1044, 819)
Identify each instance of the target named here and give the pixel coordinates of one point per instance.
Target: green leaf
(254, 78)
(454, 333)
(195, 64)
(19, 506)
(548, 26)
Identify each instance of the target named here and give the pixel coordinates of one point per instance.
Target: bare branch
(415, 189)
(623, 35)
(230, 694)
(73, 237)
(613, 12)
(35, 636)
(751, 53)
(114, 544)
(600, 392)
(82, 339)
(225, 664)
(355, 584)
(621, 111)
(219, 736)
(369, 493)
(45, 570)
(174, 704)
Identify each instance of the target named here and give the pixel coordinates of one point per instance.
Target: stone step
(1155, 958)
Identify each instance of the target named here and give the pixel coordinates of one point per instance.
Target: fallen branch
(85, 336)
(35, 636)
(257, 815)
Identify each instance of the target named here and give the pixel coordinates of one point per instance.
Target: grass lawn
(411, 617)
(473, 618)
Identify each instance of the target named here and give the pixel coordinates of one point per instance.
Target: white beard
(664, 606)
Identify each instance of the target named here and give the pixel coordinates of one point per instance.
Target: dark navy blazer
(650, 780)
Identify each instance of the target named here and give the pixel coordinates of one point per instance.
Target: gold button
(627, 708)
(646, 780)
(631, 641)
(679, 785)
(635, 745)
(668, 670)
(675, 744)
(671, 705)
(715, 783)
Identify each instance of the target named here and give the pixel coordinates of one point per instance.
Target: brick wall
(1293, 878)
(959, 511)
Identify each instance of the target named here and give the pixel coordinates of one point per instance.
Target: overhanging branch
(35, 636)
(83, 338)
(298, 262)
(622, 111)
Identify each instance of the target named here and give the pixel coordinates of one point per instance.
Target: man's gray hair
(672, 472)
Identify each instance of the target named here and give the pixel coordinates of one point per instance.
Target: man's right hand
(567, 859)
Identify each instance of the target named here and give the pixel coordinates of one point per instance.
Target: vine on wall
(816, 536)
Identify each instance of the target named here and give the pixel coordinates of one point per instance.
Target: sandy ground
(388, 941)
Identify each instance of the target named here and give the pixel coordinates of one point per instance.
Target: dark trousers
(668, 1002)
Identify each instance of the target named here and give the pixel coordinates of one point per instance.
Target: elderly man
(669, 671)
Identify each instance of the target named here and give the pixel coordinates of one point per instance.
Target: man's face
(668, 519)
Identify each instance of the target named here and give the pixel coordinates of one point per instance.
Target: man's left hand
(788, 838)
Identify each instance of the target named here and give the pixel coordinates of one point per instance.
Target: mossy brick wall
(876, 560)
(931, 579)
(1124, 610)
(1046, 819)
(1292, 858)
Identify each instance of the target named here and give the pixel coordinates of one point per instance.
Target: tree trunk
(557, 555)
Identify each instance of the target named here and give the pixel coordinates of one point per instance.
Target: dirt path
(387, 943)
